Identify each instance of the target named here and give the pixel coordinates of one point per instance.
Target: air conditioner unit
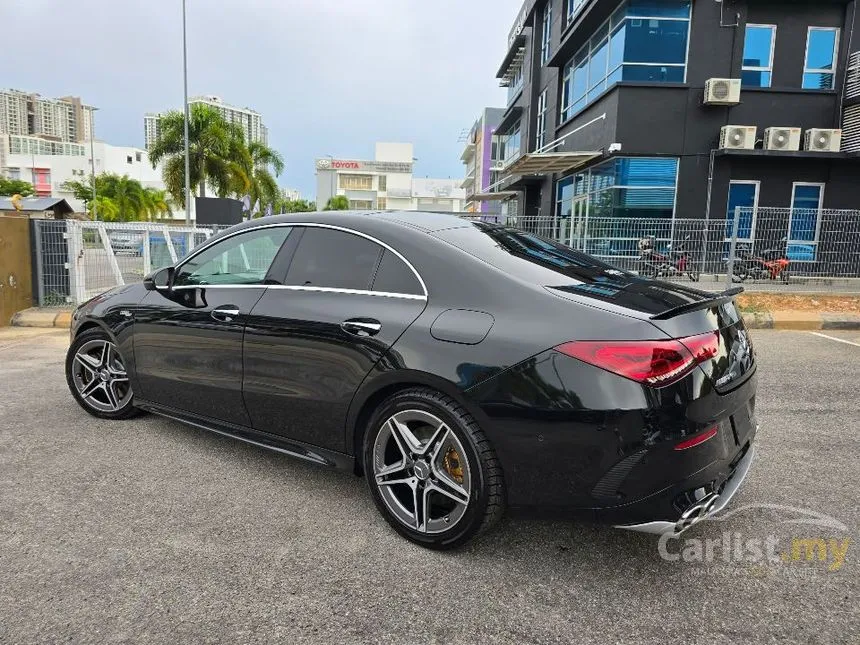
(780, 138)
(822, 140)
(738, 137)
(722, 91)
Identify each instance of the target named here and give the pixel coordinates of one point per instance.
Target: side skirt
(296, 449)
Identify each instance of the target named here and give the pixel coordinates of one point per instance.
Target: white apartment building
(48, 172)
(64, 119)
(385, 182)
(249, 120)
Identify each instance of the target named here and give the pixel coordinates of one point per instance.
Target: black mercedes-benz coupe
(460, 367)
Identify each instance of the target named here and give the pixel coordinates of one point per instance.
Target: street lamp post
(93, 161)
(185, 103)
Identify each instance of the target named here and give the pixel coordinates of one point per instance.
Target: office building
(664, 108)
(249, 120)
(482, 155)
(385, 182)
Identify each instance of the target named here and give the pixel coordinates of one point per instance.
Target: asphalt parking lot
(151, 531)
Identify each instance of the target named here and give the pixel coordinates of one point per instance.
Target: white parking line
(838, 340)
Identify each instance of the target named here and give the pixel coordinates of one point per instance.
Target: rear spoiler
(717, 300)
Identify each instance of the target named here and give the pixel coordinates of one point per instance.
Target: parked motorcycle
(673, 262)
(771, 264)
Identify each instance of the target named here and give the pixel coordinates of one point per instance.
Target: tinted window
(329, 258)
(394, 276)
(241, 259)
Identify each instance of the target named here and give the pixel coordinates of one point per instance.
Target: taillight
(653, 362)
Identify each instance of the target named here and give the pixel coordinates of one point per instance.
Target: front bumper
(703, 508)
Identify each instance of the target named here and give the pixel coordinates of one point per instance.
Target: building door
(16, 288)
(579, 223)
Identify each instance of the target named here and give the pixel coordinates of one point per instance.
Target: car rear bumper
(709, 504)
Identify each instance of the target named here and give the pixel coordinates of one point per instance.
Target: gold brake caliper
(453, 466)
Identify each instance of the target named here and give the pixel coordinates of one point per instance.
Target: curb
(36, 317)
(801, 321)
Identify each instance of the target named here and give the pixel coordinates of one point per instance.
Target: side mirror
(160, 279)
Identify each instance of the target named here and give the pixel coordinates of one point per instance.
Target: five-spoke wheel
(97, 376)
(432, 472)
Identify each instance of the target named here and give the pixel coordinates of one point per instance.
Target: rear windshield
(529, 256)
(549, 264)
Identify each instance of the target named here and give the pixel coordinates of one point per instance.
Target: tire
(444, 457)
(94, 365)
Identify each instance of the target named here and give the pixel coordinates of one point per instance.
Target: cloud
(328, 76)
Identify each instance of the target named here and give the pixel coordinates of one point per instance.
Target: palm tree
(155, 203)
(105, 209)
(213, 152)
(126, 193)
(337, 203)
(256, 179)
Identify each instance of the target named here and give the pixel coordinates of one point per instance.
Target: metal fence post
(733, 247)
(147, 254)
(111, 255)
(704, 248)
(75, 248)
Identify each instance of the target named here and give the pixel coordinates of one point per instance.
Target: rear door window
(334, 259)
(394, 276)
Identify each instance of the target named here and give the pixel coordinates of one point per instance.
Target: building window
(806, 202)
(642, 41)
(360, 204)
(744, 195)
(138, 156)
(541, 121)
(516, 83)
(759, 42)
(820, 64)
(573, 7)
(128, 159)
(383, 183)
(355, 182)
(546, 33)
(511, 143)
(381, 203)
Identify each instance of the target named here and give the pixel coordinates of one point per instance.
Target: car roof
(426, 221)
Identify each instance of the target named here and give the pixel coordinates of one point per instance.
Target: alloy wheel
(100, 376)
(421, 471)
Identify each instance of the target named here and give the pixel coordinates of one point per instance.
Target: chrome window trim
(203, 247)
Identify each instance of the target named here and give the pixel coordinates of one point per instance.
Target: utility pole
(93, 161)
(185, 103)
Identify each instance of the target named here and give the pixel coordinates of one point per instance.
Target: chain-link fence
(76, 260)
(782, 249)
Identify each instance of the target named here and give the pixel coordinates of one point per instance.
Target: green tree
(15, 187)
(215, 148)
(256, 179)
(338, 203)
(81, 190)
(295, 206)
(156, 204)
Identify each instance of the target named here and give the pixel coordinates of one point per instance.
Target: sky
(330, 77)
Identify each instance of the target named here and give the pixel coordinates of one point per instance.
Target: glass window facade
(628, 187)
(516, 84)
(573, 7)
(644, 40)
(820, 64)
(540, 138)
(546, 34)
(355, 182)
(743, 194)
(805, 203)
(757, 68)
(511, 143)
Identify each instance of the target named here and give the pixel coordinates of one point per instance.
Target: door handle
(361, 326)
(225, 314)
